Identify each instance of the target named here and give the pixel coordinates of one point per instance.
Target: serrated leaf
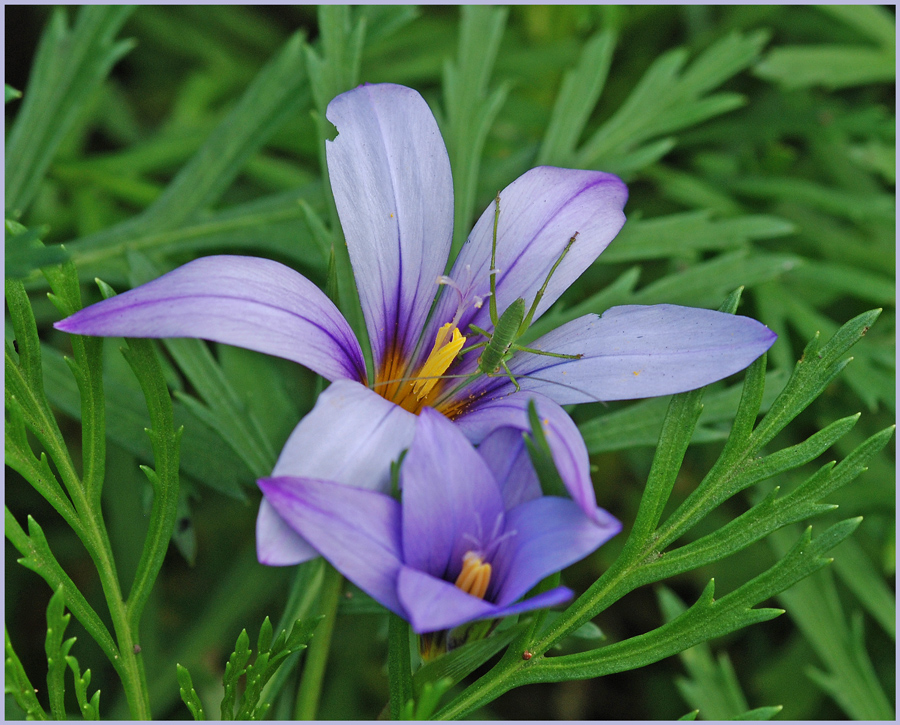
(188, 693)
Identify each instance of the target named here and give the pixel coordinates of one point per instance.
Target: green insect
(500, 345)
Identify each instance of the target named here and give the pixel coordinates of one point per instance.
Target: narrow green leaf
(70, 65)
(19, 686)
(470, 107)
(164, 439)
(36, 555)
(581, 87)
(279, 92)
(90, 709)
(399, 666)
(57, 651)
(831, 66)
(10, 93)
(188, 694)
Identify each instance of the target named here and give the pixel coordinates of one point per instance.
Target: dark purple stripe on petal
(539, 213)
(252, 303)
(640, 352)
(390, 175)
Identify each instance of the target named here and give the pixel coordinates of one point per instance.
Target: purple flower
(390, 175)
(452, 550)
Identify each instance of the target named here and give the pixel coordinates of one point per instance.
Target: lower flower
(451, 551)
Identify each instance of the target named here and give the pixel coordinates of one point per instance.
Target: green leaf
(677, 234)
(36, 555)
(24, 252)
(90, 710)
(470, 107)
(581, 87)
(831, 66)
(188, 694)
(164, 439)
(712, 686)
(669, 97)
(399, 666)
(278, 93)
(850, 677)
(10, 93)
(57, 651)
(18, 685)
(70, 65)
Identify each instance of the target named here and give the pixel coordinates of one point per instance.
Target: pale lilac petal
(506, 455)
(551, 533)
(253, 303)
(566, 444)
(638, 351)
(358, 531)
(351, 436)
(539, 212)
(277, 544)
(390, 175)
(451, 501)
(432, 604)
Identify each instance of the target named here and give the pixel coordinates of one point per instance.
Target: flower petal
(351, 436)
(390, 175)
(451, 500)
(505, 453)
(551, 534)
(358, 531)
(566, 444)
(253, 303)
(277, 544)
(432, 604)
(638, 351)
(539, 213)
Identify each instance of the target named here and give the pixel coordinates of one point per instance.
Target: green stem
(317, 657)
(399, 665)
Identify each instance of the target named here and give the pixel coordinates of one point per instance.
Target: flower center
(475, 575)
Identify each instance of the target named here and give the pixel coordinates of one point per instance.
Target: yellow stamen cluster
(475, 575)
(442, 354)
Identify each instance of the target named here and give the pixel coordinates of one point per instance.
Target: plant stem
(317, 657)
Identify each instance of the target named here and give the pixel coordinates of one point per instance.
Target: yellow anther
(442, 354)
(475, 575)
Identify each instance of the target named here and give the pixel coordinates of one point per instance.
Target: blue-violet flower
(452, 550)
(390, 175)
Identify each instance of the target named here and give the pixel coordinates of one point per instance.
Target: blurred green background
(758, 146)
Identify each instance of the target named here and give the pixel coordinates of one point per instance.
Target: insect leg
(493, 300)
(535, 351)
(511, 376)
(526, 323)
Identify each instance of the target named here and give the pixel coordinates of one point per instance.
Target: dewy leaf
(70, 65)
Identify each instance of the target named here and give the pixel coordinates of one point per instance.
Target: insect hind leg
(526, 323)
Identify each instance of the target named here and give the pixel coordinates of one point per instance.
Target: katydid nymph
(500, 345)
(497, 346)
